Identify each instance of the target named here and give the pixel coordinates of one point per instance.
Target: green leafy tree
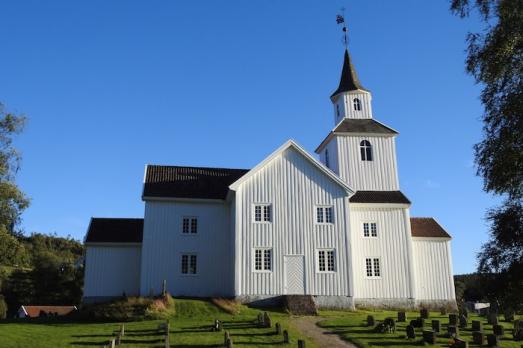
(495, 59)
(12, 200)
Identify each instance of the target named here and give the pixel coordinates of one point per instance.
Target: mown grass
(351, 326)
(189, 327)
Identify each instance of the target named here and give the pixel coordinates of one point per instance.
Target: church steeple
(349, 78)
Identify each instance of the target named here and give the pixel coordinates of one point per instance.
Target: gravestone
(267, 320)
(478, 338)
(436, 326)
(477, 325)
(402, 317)
(492, 340)
(301, 344)
(429, 336)
(419, 322)
(229, 343)
(389, 325)
(453, 319)
(518, 330)
(278, 328)
(285, 336)
(509, 316)
(424, 313)
(411, 334)
(463, 322)
(458, 343)
(498, 330)
(492, 318)
(370, 320)
(226, 337)
(453, 331)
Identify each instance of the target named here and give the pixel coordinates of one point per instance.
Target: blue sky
(109, 86)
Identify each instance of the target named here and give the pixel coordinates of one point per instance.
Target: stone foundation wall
(404, 304)
(326, 302)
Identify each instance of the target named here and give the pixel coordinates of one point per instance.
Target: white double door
(294, 279)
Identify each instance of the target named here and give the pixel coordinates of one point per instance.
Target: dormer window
(366, 150)
(357, 104)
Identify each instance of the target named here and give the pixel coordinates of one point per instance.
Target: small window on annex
(326, 261)
(324, 215)
(262, 213)
(366, 150)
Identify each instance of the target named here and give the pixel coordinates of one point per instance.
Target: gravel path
(323, 337)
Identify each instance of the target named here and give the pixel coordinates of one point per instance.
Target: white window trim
(197, 225)
(370, 231)
(197, 264)
(324, 215)
(326, 262)
(253, 260)
(253, 215)
(373, 277)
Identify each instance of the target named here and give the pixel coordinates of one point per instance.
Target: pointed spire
(349, 79)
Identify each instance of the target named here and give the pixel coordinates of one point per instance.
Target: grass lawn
(351, 326)
(189, 327)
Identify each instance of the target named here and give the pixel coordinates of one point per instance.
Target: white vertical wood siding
(164, 243)
(332, 147)
(433, 269)
(294, 187)
(390, 247)
(379, 174)
(112, 270)
(346, 103)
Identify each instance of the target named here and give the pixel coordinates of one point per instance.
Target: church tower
(359, 149)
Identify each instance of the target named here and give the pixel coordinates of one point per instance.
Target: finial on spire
(340, 20)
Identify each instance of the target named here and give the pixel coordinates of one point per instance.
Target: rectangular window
(190, 225)
(262, 213)
(189, 264)
(370, 229)
(372, 266)
(324, 215)
(263, 259)
(326, 261)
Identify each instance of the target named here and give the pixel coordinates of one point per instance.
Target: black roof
(379, 197)
(189, 182)
(349, 79)
(115, 230)
(363, 125)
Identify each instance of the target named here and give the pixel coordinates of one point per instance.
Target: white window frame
(369, 223)
(262, 250)
(190, 225)
(324, 209)
(189, 256)
(373, 260)
(326, 260)
(263, 213)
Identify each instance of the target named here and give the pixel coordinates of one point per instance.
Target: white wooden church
(337, 228)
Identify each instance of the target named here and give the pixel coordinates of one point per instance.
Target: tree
(12, 200)
(495, 59)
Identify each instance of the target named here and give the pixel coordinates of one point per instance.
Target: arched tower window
(366, 150)
(357, 104)
(327, 158)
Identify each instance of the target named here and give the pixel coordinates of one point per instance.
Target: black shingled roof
(379, 197)
(115, 230)
(189, 182)
(349, 79)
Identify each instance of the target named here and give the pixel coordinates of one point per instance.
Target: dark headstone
(492, 340)
(285, 336)
(370, 320)
(402, 317)
(453, 331)
(419, 322)
(477, 325)
(429, 336)
(267, 319)
(436, 326)
(498, 330)
(301, 344)
(478, 338)
(226, 337)
(509, 316)
(229, 343)
(278, 328)
(411, 334)
(463, 322)
(453, 319)
(458, 343)
(492, 318)
(389, 325)
(424, 313)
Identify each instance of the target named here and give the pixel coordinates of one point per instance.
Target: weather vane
(340, 20)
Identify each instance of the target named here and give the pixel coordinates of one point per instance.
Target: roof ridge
(195, 167)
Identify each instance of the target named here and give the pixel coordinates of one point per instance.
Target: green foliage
(495, 59)
(12, 251)
(12, 200)
(3, 308)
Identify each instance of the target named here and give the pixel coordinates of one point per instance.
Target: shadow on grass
(255, 334)
(393, 343)
(87, 343)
